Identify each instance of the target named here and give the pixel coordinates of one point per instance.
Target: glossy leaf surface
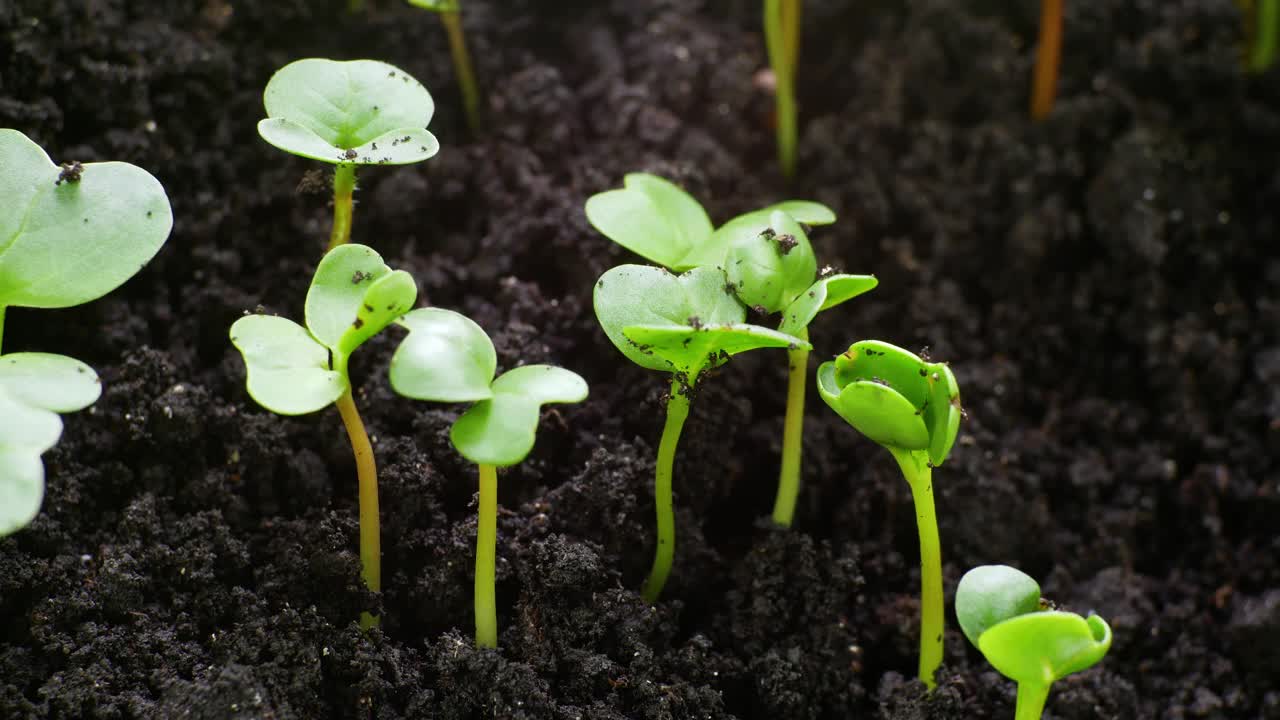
(1042, 647)
(289, 370)
(990, 594)
(446, 357)
(501, 431)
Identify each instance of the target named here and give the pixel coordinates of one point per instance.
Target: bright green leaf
(50, 382)
(501, 431)
(446, 357)
(436, 5)
(651, 217)
(337, 291)
(875, 410)
(385, 299)
(321, 109)
(716, 248)
(825, 293)
(63, 244)
(1042, 647)
(692, 349)
(288, 370)
(770, 270)
(890, 365)
(942, 413)
(990, 594)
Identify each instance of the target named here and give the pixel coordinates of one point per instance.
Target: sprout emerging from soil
(912, 408)
(782, 41)
(683, 325)
(348, 113)
(450, 12)
(294, 370)
(448, 358)
(1048, 59)
(1001, 612)
(68, 234)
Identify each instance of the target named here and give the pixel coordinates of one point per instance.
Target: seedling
(782, 41)
(348, 113)
(448, 358)
(912, 408)
(294, 370)
(1048, 59)
(68, 235)
(1001, 612)
(450, 12)
(683, 325)
(776, 271)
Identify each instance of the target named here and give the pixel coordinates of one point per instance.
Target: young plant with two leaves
(448, 358)
(770, 265)
(68, 235)
(1023, 636)
(348, 114)
(911, 407)
(295, 370)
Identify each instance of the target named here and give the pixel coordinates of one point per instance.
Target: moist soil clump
(1102, 283)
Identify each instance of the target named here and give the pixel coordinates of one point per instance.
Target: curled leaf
(1042, 647)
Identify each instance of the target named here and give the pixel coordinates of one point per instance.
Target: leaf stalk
(782, 42)
(367, 475)
(486, 558)
(344, 185)
(784, 505)
(919, 475)
(1048, 58)
(1031, 699)
(664, 553)
(462, 67)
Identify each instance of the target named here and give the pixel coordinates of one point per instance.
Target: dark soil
(1104, 285)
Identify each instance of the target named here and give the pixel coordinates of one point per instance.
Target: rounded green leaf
(691, 349)
(770, 270)
(501, 431)
(1042, 647)
(26, 432)
(50, 382)
(875, 410)
(651, 217)
(716, 248)
(990, 594)
(885, 364)
(336, 296)
(446, 357)
(825, 293)
(289, 371)
(385, 299)
(338, 111)
(643, 296)
(943, 412)
(66, 241)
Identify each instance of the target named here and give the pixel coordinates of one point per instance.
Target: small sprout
(335, 111)
(646, 312)
(450, 12)
(879, 390)
(294, 370)
(71, 234)
(448, 358)
(1000, 610)
(782, 41)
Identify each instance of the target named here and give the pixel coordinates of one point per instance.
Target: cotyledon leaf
(446, 357)
(289, 371)
(501, 431)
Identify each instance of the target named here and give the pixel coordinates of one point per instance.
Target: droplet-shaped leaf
(770, 270)
(692, 349)
(874, 409)
(1042, 647)
(651, 217)
(716, 248)
(34, 388)
(639, 295)
(69, 242)
(338, 111)
(825, 293)
(337, 292)
(288, 370)
(446, 357)
(501, 431)
(990, 594)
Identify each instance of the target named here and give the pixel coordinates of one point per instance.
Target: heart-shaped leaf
(34, 388)
(289, 370)
(1041, 647)
(642, 296)
(690, 350)
(354, 295)
(357, 112)
(716, 248)
(651, 217)
(770, 270)
(990, 594)
(501, 431)
(825, 293)
(66, 239)
(446, 358)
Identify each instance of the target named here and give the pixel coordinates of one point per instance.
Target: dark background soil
(1104, 285)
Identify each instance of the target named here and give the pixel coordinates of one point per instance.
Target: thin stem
(452, 20)
(782, 41)
(2, 309)
(784, 506)
(1031, 700)
(677, 411)
(344, 184)
(1267, 19)
(915, 468)
(486, 561)
(1048, 57)
(367, 473)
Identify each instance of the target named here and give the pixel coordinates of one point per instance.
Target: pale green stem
(486, 558)
(367, 474)
(462, 67)
(915, 468)
(784, 506)
(677, 411)
(782, 41)
(1031, 700)
(344, 184)
(1267, 20)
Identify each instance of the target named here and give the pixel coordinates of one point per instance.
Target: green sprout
(450, 12)
(68, 234)
(448, 358)
(1001, 612)
(348, 113)
(912, 408)
(294, 370)
(680, 324)
(1266, 31)
(782, 41)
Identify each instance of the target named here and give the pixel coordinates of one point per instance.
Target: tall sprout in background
(782, 40)
(451, 17)
(1048, 58)
(1264, 34)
